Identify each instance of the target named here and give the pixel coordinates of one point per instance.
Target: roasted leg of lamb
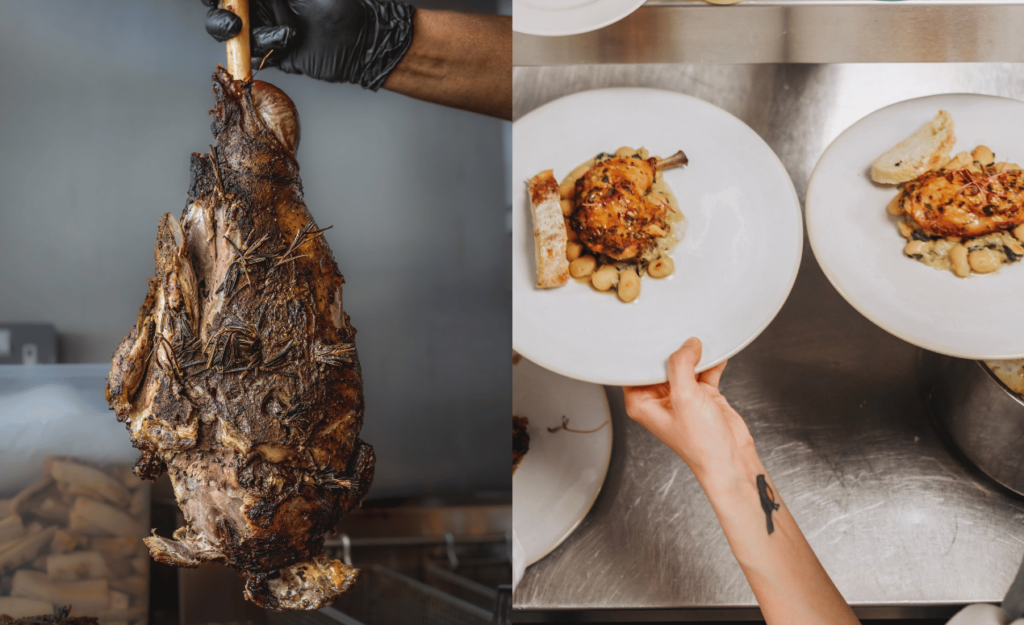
(240, 378)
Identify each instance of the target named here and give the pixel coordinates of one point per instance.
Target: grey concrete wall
(101, 104)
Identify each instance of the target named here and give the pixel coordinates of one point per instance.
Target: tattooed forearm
(767, 501)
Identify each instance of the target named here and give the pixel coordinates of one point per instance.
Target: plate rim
(634, 6)
(605, 465)
(790, 283)
(829, 273)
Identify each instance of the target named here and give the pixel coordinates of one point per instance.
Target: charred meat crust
(241, 378)
(149, 466)
(613, 215)
(959, 203)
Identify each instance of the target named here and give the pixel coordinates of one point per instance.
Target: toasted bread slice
(548, 231)
(922, 151)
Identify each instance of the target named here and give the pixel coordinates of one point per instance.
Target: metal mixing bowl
(981, 415)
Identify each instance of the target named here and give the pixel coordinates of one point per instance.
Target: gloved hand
(356, 41)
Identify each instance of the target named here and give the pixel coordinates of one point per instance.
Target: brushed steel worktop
(793, 31)
(903, 525)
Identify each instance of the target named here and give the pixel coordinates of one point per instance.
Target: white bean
(958, 258)
(894, 205)
(983, 155)
(605, 277)
(661, 268)
(567, 207)
(984, 261)
(579, 171)
(1019, 233)
(573, 250)
(568, 187)
(582, 266)
(567, 190)
(961, 160)
(629, 285)
(625, 151)
(916, 248)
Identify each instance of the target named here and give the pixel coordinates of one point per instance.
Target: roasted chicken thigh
(615, 213)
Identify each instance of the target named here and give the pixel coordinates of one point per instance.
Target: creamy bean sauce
(1003, 246)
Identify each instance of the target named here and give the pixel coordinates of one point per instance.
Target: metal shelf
(792, 31)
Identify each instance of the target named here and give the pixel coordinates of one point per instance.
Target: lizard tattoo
(767, 501)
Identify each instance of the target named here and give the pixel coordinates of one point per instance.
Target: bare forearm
(462, 60)
(789, 582)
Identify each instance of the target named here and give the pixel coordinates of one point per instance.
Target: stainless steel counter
(793, 31)
(904, 527)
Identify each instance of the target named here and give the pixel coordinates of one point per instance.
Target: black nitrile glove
(357, 41)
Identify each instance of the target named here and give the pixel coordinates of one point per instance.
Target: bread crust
(927, 149)
(548, 231)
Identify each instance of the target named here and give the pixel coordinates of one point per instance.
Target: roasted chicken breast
(965, 203)
(240, 377)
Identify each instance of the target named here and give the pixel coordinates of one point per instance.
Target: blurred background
(102, 104)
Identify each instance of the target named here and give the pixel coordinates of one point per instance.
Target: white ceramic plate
(561, 475)
(734, 267)
(555, 18)
(859, 248)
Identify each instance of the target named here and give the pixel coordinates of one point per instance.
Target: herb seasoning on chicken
(620, 220)
(240, 378)
(615, 214)
(969, 201)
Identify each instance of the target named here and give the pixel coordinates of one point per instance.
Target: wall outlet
(27, 344)
(29, 354)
